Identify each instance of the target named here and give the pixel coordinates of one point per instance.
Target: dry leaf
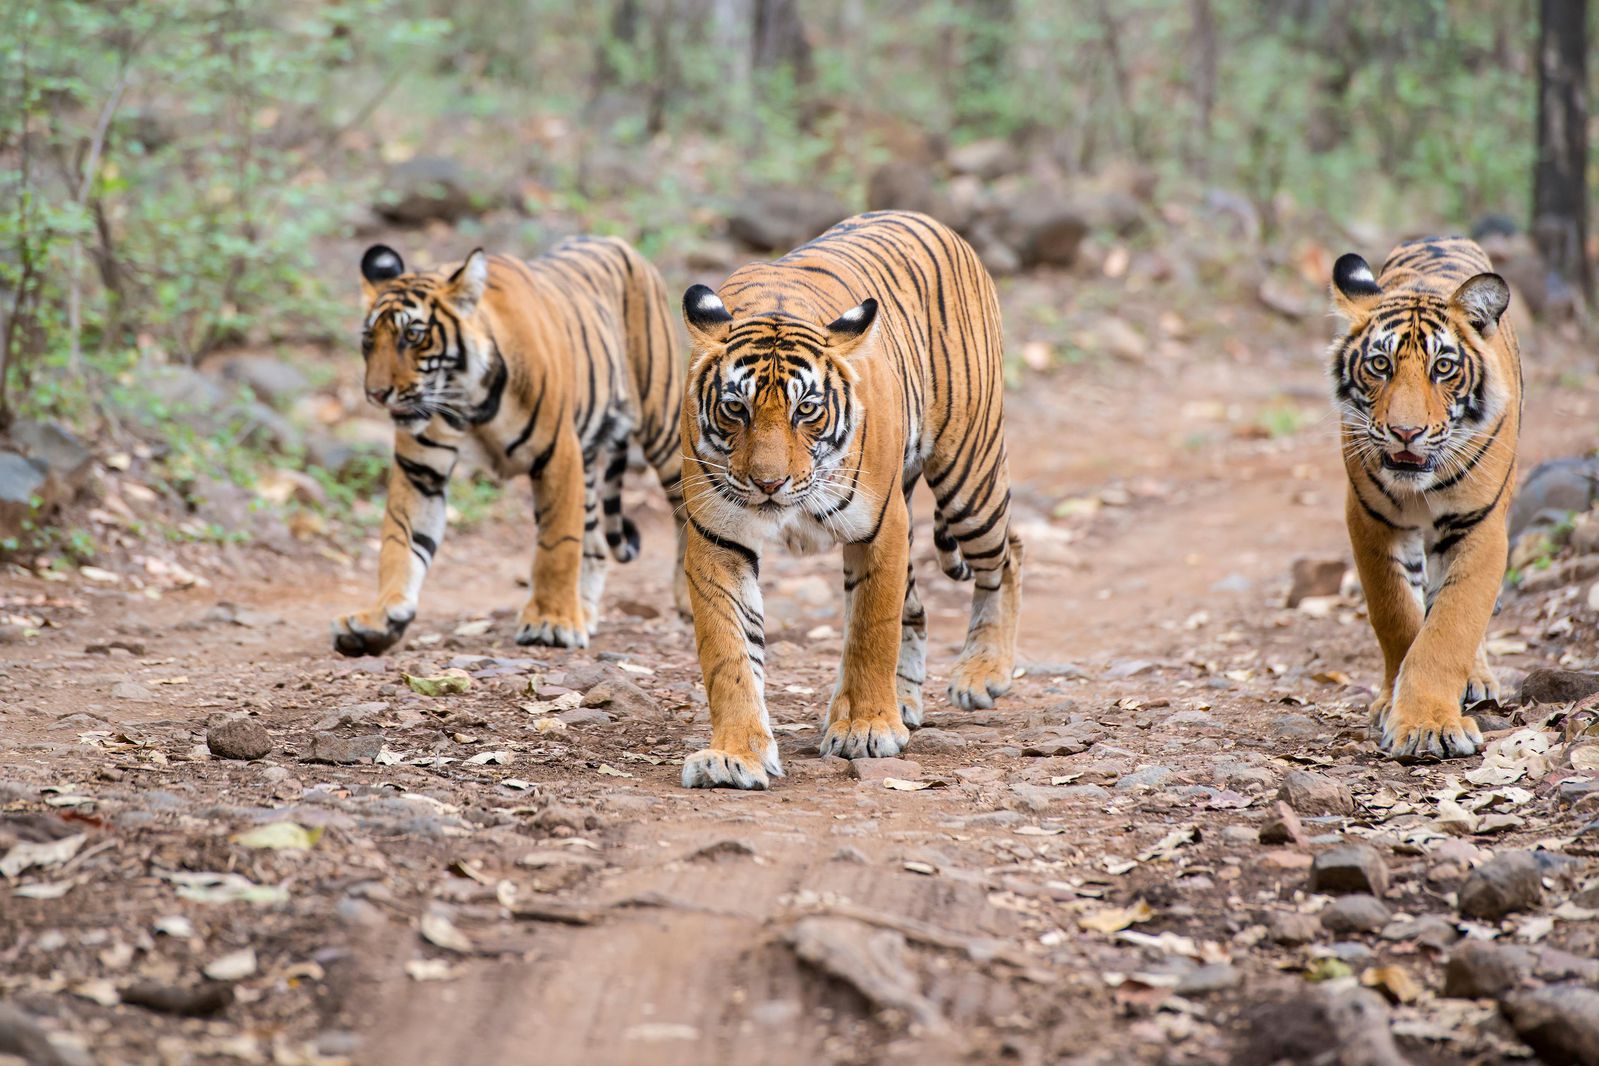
(26, 855)
(899, 784)
(474, 629)
(484, 757)
(234, 966)
(1167, 846)
(1393, 982)
(279, 836)
(926, 869)
(1115, 919)
(430, 970)
(549, 725)
(451, 682)
(605, 769)
(441, 932)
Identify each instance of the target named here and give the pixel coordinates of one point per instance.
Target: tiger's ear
(1355, 288)
(464, 288)
(1482, 299)
(848, 333)
(379, 264)
(706, 316)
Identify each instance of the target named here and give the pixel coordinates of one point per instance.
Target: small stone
(1512, 881)
(1356, 913)
(343, 751)
(584, 676)
(1292, 927)
(877, 769)
(1144, 779)
(937, 741)
(1240, 834)
(582, 716)
(132, 690)
(1560, 1024)
(1558, 686)
(1315, 577)
(1312, 793)
(850, 853)
(1282, 827)
(1350, 868)
(1429, 931)
(240, 738)
(623, 698)
(1203, 980)
(1482, 969)
(1296, 727)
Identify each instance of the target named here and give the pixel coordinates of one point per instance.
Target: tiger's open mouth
(1407, 462)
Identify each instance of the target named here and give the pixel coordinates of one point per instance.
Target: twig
(91, 166)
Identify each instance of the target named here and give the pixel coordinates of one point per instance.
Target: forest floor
(1075, 876)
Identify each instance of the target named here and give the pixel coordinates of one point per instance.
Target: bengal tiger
(550, 367)
(1427, 381)
(821, 387)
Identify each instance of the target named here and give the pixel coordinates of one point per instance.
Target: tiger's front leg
(729, 633)
(554, 613)
(865, 720)
(413, 528)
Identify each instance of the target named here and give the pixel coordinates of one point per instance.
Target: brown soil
(668, 926)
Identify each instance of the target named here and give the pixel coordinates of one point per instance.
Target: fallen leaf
(208, 887)
(474, 629)
(280, 836)
(1115, 919)
(899, 784)
(98, 991)
(451, 682)
(926, 869)
(1392, 981)
(1327, 968)
(441, 932)
(549, 725)
(1167, 846)
(483, 758)
(27, 855)
(605, 769)
(430, 970)
(45, 890)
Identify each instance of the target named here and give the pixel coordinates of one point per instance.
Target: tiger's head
(1414, 378)
(774, 399)
(419, 339)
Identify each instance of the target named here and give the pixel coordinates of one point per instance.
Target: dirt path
(565, 901)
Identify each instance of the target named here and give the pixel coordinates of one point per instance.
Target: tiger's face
(1412, 377)
(419, 338)
(774, 400)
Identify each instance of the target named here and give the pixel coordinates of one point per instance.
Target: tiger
(822, 386)
(549, 367)
(1427, 384)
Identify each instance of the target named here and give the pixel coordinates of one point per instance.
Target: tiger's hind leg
(911, 672)
(591, 579)
(668, 463)
(983, 671)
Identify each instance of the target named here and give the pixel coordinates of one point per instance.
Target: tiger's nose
(1406, 434)
(379, 396)
(769, 487)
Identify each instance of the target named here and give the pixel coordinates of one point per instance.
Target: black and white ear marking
(1353, 278)
(380, 263)
(703, 309)
(856, 321)
(1483, 298)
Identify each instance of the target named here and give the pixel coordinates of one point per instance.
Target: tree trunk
(1560, 179)
(778, 40)
(1205, 51)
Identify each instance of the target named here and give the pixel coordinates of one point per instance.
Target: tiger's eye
(415, 332)
(733, 409)
(1379, 364)
(1444, 367)
(808, 409)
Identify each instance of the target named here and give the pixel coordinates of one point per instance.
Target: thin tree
(1560, 179)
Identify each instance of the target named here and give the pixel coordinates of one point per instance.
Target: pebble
(1292, 927)
(132, 690)
(1144, 778)
(1240, 834)
(1558, 686)
(937, 741)
(1349, 868)
(1312, 793)
(1203, 980)
(1357, 913)
(621, 697)
(241, 738)
(1282, 827)
(1296, 726)
(343, 751)
(1560, 1024)
(585, 716)
(878, 769)
(1431, 931)
(1482, 969)
(1512, 881)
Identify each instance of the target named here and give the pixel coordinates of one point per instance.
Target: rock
(343, 751)
(875, 962)
(22, 484)
(1559, 485)
(1349, 868)
(1429, 930)
(423, 189)
(1311, 793)
(1143, 779)
(1047, 741)
(197, 1001)
(904, 186)
(271, 379)
(937, 741)
(1315, 577)
(1512, 881)
(877, 769)
(1356, 913)
(584, 676)
(1203, 980)
(21, 1037)
(1050, 235)
(1328, 1026)
(56, 450)
(240, 738)
(1545, 685)
(775, 218)
(987, 159)
(1282, 827)
(1292, 927)
(621, 697)
(133, 691)
(583, 716)
(998, 257)
(1560, 1024)
(1240, 834)
(1482, 969)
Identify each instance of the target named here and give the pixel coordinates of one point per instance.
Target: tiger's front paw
(554, 630)
(980, 676)
(1415, 726)
(910, 703)
(371, 632)
(721, 768)
(880, 736)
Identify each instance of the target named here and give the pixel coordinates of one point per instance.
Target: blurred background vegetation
(185, 181)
